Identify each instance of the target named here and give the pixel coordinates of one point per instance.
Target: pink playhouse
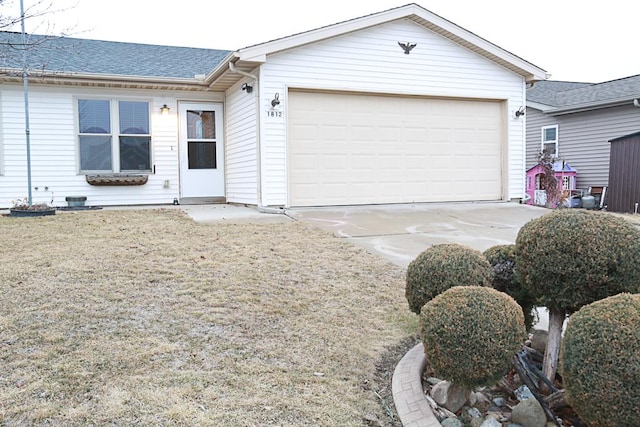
(565, 174)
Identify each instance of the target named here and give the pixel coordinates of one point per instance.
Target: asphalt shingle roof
(73, 55)
(561, 94)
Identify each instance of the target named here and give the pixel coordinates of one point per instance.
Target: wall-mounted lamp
(276, 100)
(164, 109)
(520, 112)
(247, 87)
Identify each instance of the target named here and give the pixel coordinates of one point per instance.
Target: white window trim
(543, 142)
(115, 124)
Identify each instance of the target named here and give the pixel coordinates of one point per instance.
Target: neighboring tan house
(576, 121)
(394, 107)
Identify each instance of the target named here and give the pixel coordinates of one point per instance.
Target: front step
(203, 200)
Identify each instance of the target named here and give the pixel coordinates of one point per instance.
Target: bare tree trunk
(550, 364)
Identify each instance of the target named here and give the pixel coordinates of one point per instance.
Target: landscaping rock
(472, 400)
(474, 413)
(451, 422)
(523, 393)
(529, 413)
(449, 395)
(433, 380)
(491, 422)
(499, 401)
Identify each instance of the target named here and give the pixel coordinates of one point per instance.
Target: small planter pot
(32, 212)
(75, 201)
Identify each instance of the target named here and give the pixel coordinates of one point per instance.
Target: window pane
(549, 134)
(134, 117)
(95, 153)
(94, 116)
(202, 155)
(135, 153)
(549, 148)
(201, 124)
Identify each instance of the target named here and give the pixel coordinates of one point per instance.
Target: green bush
(572, 257)
(471, 333)
(503, 260)
(441, 267)
(600, 361)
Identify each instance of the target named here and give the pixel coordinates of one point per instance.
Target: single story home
(575, 122)
(393, 107)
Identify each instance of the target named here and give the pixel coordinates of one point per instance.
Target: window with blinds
(100, 150)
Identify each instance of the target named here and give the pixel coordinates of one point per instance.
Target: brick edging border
(406, 389)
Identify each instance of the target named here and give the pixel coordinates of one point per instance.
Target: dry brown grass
(146, 318)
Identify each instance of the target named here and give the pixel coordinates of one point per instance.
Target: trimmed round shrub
(441, 267)
(503, 260)
(570, 258)
(600, 361)
(471, 333)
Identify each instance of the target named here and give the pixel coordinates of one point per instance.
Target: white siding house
(339, 115)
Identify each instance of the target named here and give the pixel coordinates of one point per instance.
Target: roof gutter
(59, 77)
(233, 69)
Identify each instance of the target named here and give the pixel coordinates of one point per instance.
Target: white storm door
(201, 150)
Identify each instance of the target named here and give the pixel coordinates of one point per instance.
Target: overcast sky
(574, 40)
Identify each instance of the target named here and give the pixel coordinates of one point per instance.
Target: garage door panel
(381, 149)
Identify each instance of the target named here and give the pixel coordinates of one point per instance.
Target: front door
(201, 150)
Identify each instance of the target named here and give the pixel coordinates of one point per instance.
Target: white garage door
(349, 149)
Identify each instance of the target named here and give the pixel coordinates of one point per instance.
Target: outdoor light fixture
(276, 100)
(164, 109)
(520, 112)
(247, 87)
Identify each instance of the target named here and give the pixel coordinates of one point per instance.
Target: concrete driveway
(400, 232)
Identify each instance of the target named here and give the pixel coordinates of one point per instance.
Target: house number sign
(274, 113)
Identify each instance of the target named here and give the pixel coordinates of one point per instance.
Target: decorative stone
(451, 422)
(433, 380)
(449, 395)
(529, 413)
(499, 401)
(523, 393)
(472, 400)
(476, 422)
(491, 422)
(482, 398)
(474, 413)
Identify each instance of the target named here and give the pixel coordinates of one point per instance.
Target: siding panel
(371, 61)
(241, 144)
(54, 147)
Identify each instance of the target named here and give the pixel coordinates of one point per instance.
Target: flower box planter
(117, 179)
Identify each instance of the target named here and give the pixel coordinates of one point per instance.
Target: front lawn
(147, 318)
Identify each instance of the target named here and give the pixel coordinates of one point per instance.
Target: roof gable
(258, 53)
